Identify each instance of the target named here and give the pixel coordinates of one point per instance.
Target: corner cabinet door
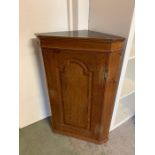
(76, 90)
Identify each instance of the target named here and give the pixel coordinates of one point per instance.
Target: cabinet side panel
(113, 63)
(50, 70)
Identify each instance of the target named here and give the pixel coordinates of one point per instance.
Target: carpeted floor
(38, 139)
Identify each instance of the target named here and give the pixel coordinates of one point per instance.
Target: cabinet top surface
(83, 34)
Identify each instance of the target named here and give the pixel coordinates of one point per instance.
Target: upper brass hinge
(105, 74)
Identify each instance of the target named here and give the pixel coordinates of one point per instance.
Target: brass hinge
(105, 74)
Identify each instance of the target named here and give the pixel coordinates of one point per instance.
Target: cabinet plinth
(82, 72)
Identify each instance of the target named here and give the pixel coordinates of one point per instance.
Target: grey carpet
(38, 139)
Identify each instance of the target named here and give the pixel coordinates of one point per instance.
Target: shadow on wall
(42, 80)
(72, 14)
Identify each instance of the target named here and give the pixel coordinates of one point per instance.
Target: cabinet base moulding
(79, 137)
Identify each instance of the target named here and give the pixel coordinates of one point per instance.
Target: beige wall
(40, 16)
(111, 16)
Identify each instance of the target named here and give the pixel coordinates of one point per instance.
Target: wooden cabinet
(82, 69)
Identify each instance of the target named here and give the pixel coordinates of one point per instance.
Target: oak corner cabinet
(82, 72)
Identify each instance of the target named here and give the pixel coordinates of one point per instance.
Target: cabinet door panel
(78, 80)
(75, 82)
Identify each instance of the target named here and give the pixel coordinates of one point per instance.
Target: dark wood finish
(82, 70)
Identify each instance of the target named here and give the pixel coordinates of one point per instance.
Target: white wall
(111, 16)
(40, 16)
